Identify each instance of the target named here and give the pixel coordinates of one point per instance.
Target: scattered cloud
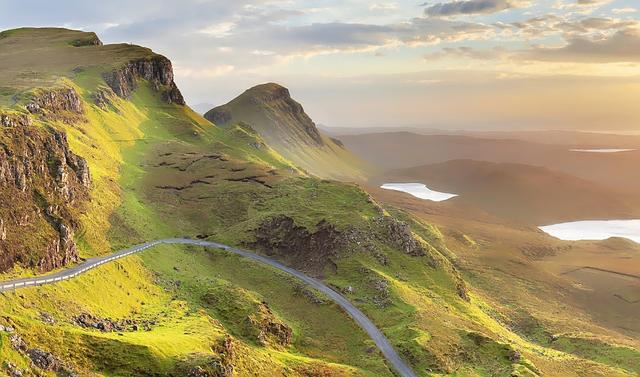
(218, 30)
(467, 7)
(383, 7)
(623, 46)
(208, 72)
(624, 10)
(220, 47)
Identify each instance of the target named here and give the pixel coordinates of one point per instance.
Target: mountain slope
(282, 122)
(158, 170)
(520, 193)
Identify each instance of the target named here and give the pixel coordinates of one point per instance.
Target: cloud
(592, 2)
(468, 7)
(581, 6)
(208, 72)
(383, 7)
(467, 52)
(218, 30)
(624, 10)
(623, 46)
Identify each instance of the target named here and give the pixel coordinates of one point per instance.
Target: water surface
(595, 230)
(603, 150)
(419, 190)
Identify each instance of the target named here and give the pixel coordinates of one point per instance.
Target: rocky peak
(269, 92)
(156, 69)
(280, 119)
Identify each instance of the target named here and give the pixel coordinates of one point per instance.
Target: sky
(465, 64)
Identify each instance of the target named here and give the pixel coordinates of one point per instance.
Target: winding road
(361, 319)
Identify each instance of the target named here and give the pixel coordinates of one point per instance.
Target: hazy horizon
(473, 65)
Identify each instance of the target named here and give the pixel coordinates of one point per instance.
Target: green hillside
(157, 169)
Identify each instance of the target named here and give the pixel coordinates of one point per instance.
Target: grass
(595, 349)
(161, 170)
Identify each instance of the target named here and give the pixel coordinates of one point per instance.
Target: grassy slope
(283, 132)
(529, 293)
(138, 145)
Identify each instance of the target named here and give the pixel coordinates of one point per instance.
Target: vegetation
(159, 170)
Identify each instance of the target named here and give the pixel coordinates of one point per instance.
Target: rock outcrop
(268, 328)
(308, 251)
(55, 102)
(47, 185)
(87, 320)
(42, 359)
(398, 234)
(156, 69)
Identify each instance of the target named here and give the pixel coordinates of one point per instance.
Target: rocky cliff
(56, 104)
(47, 185)
(156, 69)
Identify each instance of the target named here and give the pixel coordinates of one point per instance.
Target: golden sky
(464, 64)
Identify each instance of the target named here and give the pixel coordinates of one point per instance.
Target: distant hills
(395, 150)
(522, 193)
(283, 124)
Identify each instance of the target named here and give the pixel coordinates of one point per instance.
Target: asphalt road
(365, 323)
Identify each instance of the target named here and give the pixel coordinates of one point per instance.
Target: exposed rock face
(307, 251)
(399, 235)
(269, 328)
(39, 359)
(56, 101)
(18, 343)
(156, 69)
(46, 185)
(42, 359)
(87, 320)
(102, 97)
(13, 370)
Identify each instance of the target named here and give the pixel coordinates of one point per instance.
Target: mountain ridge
(271, 111)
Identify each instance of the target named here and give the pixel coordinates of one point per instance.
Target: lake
(595, 230)
(419, 190)
(603, 150)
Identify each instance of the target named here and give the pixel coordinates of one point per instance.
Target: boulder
(42, 359)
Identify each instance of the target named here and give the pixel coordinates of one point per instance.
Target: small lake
(604, 150)
(595, 230)
(419, 190)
